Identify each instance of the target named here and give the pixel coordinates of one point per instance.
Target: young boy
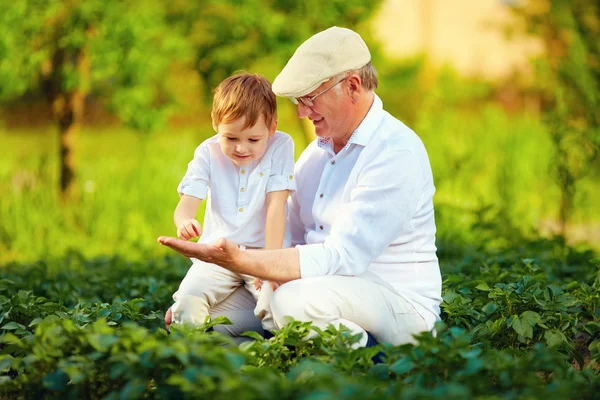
(245, 173)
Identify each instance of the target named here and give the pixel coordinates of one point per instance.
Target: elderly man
(362, 219)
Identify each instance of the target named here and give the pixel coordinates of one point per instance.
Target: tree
(65, 50)
(568, 77)
(229, 35)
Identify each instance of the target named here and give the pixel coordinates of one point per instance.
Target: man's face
(242, 146)
(330, 111)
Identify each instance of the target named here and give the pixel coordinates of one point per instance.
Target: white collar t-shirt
(236, 196)
(368, 211)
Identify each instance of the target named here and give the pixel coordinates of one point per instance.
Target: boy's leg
(204, 286)
(262, 311)
(239, 308)
(359, 304)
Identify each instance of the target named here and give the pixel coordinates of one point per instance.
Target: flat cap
(324, 55)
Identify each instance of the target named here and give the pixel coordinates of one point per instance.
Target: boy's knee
(190, 309)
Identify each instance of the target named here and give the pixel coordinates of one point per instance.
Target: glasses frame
(309, 101)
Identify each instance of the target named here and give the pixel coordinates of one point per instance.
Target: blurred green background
(104, 102)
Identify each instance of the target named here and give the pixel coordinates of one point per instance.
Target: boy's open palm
(189, 229)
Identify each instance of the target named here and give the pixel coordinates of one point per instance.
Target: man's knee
(297, 300)
(287, 300)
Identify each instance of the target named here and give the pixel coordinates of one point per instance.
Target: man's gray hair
(368, 77)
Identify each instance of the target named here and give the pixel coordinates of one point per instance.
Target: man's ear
(273, 127)
(354, 85)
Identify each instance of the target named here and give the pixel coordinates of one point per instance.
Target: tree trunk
(68, 108)
(68, 126)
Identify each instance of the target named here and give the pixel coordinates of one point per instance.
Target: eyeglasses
(309, 101)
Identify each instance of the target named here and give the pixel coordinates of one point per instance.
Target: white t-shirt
(368, 211)
(236, 196)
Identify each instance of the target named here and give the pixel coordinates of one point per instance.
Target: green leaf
(402, 366)
(531, 317)
(56, 381)
(254, 335)
(102, 342)
(5, 362)
(489, 308)
(554, 338)
(483, 286)
(523, 328)
(12, 326)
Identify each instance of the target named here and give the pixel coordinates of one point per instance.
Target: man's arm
(281, 265)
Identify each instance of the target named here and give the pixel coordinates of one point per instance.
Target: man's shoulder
(393, 135)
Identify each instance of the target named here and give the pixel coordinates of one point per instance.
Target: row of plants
(518, 323)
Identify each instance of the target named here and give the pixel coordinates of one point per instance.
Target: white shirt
(368, 211)
(236, 196)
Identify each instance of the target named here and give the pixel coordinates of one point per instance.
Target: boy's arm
(275, 224)
(184, 217)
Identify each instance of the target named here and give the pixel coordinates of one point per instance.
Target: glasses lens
(306, 102)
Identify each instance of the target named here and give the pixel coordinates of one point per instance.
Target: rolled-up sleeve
(381, 206)
(196, 179)
(282, 167)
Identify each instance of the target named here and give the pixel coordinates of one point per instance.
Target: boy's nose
(240, 148)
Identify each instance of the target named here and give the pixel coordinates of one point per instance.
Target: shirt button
(321, 195)
(291, 177)
(242, 190)
(321, 227)
(262, 174)
(243, 171)
(332, 162)
(241, 209)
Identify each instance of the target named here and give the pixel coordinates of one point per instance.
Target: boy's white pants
(205, 286)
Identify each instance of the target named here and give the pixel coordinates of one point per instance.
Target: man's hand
(189, 229)
(223, 252)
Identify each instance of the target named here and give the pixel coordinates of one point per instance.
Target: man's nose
(303, 111)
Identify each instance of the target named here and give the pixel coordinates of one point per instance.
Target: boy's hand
(258, 284)
(188, 229)
(168, 319)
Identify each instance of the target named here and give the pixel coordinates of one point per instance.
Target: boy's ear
(215, 127)
(273, 128)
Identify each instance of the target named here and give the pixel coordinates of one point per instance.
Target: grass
(128, 182)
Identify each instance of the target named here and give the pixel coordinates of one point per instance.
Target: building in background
(469, 35)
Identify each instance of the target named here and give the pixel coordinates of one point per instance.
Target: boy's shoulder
(211, 140)
(281, 136)
(280, 139)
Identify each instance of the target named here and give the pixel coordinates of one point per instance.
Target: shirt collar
(363, 133)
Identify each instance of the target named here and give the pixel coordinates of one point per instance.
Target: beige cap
(324, 55)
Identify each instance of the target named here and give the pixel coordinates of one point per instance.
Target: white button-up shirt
(236, 196)
(368, 211)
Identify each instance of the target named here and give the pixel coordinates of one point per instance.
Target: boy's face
(243, 146)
